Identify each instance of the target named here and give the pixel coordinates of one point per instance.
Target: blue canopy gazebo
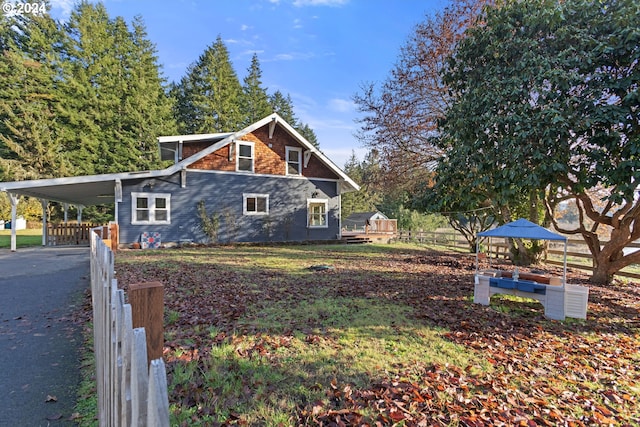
(524, 229)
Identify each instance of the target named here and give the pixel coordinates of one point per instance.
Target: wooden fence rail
(69, 234)
(131, 391)
(575, 248)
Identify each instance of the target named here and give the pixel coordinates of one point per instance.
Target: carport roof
(79, 190)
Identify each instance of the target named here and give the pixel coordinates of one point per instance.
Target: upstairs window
(255, 204)
(294, 160)
(150, 208)
(317, 213)
(245, 156)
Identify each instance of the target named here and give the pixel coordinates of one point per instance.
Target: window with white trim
(294, 160)
(255, 204)
(317, 213)
(244, 156)
(150, 208)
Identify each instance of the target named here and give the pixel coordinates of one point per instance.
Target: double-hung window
(294, 160)
(255, 204)
(317, 213)
(245, 156)
(150, 208)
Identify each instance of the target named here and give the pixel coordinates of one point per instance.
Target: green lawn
(385, 334)
(24, 238)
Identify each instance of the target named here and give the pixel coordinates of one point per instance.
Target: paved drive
(40, 288)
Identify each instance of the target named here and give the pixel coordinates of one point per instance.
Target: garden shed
(361, 220)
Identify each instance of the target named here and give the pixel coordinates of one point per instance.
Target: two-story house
(262, 183)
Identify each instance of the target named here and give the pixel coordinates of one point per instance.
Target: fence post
(147, 311)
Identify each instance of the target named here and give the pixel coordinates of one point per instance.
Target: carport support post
(14, 199)
(44, 221)
(80, 207)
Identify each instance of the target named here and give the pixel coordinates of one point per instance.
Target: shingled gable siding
(269, 155)
(223, 193)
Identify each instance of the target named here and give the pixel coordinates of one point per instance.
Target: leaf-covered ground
(534, 371)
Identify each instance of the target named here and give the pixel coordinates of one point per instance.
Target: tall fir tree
(117, 104)
(283, 105)
(91, 100)
(255, 101)
(208, 99)
(30, 63)
(147, 107)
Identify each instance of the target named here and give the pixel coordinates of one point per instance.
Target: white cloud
(245, 27)
(62, 8)
(333, 3)
(290, 56)
(284, 57)
(297, 23)
(341, 105)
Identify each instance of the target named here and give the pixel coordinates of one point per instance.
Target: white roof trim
(194, 137)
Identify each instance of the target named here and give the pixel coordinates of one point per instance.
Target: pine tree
(255, 101)
(146, 108)
(30, 136)
(208, 98)
(117, 104)
(91, 101)
(284, 107)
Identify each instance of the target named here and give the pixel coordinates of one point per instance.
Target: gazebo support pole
(564, 273)
(477, 249)
(14, 199)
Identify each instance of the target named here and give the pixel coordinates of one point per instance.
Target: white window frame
(256, 196)
(252, 158)
(314, 201)
(286, 163)
(151, 207)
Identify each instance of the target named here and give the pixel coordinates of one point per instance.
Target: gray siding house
(264, 183)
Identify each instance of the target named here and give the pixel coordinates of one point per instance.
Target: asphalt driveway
(40, 289)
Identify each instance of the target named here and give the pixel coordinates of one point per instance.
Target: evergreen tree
(255, 102)
(91, 99)
(284, 107)
(30, 136)
(117, 104)
(208, 99)
(147, 107)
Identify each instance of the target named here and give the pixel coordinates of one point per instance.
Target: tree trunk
(608, 258)
(601, 276)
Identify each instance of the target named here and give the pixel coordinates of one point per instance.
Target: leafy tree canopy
(545, 98)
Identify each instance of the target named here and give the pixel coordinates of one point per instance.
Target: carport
(79, 191)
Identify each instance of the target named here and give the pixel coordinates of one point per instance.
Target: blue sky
(318, 51)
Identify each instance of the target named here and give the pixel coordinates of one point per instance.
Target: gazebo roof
(522, 229)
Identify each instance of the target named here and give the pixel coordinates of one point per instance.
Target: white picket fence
(129, 392)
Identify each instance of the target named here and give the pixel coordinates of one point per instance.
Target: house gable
(269, 139)
(270, 154)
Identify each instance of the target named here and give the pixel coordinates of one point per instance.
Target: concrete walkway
(40, 289)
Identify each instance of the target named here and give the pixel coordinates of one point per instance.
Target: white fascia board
(83, 179)
(194, 137)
